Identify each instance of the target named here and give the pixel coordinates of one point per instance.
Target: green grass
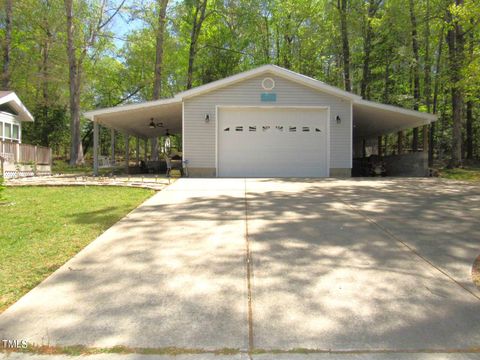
(42, 227)
(465, 174)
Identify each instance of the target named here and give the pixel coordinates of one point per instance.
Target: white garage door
(272, 142)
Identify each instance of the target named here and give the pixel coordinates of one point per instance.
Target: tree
(87, 35)
(7, 45)
(415, 70)
(372, 9)
(199, 14)
(455, 41)
(342, 8)
(162, 12)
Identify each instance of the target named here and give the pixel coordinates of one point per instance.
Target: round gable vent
(268, 84)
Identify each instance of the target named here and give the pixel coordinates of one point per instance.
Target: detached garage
(266, 122)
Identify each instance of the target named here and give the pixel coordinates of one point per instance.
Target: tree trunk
(157, 85)
(367, 48)
(469, 130)
(436, 85)
(342, 8)
(427, 75)
(469, 123)
(198, 17)
(416, 70)
(6, 75)
(455, 40)
(76, 150)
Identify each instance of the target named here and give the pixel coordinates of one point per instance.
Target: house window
(15, 132)
(8, 131)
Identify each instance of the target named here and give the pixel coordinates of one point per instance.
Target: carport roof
(374, 119)
(369, 118)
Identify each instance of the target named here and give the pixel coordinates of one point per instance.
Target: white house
(12, 114)
(266, 122)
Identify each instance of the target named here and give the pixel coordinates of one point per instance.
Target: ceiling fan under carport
(153, 125)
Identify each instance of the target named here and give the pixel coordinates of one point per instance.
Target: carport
(146, 121)
(379, 129)
(271, 122)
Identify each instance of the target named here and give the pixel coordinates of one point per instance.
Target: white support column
(154, 142)
(138, 151)
(127, 151)
(95, 148)
(112, 151)
(146, 150)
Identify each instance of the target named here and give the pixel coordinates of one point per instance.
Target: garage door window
(292, 129)
(239, 128)
(252, 128)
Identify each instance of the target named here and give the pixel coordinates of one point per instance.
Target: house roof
(11, 99)
(271, 69)
(370, 118)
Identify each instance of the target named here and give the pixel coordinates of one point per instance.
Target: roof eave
(131, 107)
(23, 113)
(418, 114)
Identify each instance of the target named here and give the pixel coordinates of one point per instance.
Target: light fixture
(338, 120)
(207, 118)
(153, 125)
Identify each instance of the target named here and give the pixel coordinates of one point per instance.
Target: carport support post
(154, 142)
(95, 148)
(112, 141)
(145, 151)
(138, 151)
(400, 142)
(364, 148)
(425, 138)
(127, 152)
(379, 146)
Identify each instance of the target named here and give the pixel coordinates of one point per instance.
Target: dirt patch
(476, 272)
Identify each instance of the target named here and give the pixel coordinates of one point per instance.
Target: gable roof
(202, 89)
(269, 69)
(370, 116)
(11, 99)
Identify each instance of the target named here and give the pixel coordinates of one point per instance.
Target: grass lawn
(43, 227)
(466, 174)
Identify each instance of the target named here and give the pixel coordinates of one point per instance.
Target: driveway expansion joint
(409, 248)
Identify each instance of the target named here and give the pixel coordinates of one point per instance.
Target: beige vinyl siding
(199, 137)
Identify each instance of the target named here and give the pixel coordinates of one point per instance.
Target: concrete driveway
(361, 268)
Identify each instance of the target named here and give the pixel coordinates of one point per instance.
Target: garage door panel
(273, 142)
